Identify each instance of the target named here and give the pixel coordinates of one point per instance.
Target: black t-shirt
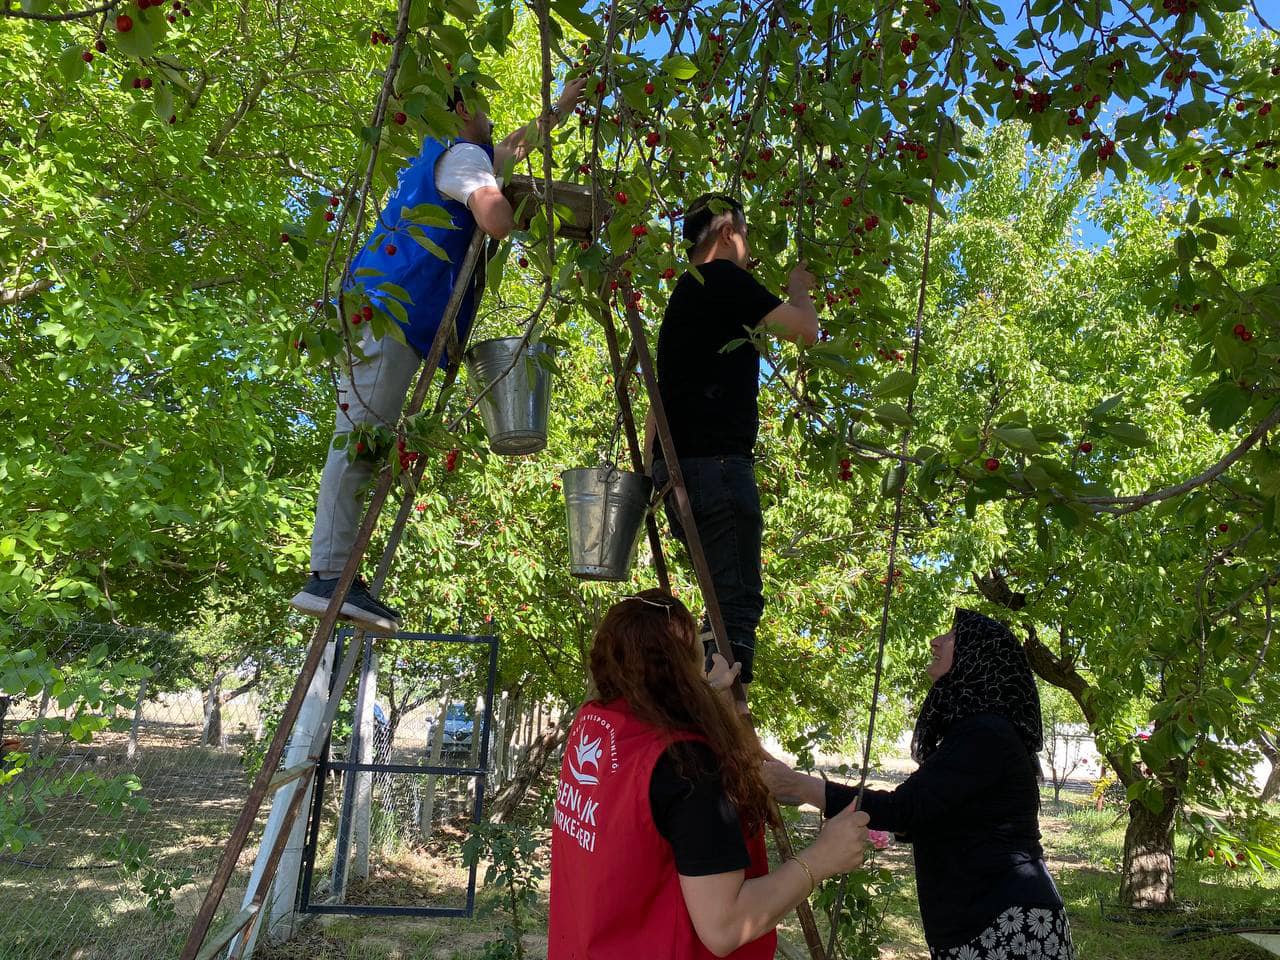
(692, 812)
(710, 396)
(972, 813)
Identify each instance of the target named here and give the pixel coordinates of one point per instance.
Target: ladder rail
(702, 569)
(293, 706)
(621, 371)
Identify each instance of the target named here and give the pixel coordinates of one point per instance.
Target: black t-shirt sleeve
(695, 816)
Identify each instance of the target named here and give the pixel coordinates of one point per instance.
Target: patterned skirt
(1020, 933)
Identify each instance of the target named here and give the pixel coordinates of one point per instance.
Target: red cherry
(653, 139)
(334, 201)
(846, 202)
(766, 155)
(523, 261)
(1239, 329)
(1264, 109)
(401, 118)
(668, 273)
(992, 464)
(390, 249)
(146, 83)
(360, 447)
(344, 407)
(124, 23)
(600, 88)
(367, 312)
(1224, 527)
(639, 230)
(584, 168)
(171, 18)
(100, 45)
(648, 89)
(1247, 336)
(620, 197)
(173, 118)
(1086, 446)
(284, 238)
(328, 216)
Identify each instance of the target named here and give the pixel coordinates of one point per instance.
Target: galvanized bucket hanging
(606, 508)
(517, 398)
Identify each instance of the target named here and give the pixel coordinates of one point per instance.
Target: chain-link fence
(120, 798)
(120, 787)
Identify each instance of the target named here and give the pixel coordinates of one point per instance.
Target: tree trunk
(530, 769)
(211, 735)
(1146, 880)
(136, 727)
(1271, 789)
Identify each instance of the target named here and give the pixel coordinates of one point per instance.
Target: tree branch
(1130, 504)
(8, 11)
(11, 295)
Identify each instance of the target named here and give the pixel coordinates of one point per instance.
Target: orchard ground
(1083, 848)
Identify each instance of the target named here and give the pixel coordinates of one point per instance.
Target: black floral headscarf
(990, 674)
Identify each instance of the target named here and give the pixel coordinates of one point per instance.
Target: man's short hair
(455, 98)
(706, 214)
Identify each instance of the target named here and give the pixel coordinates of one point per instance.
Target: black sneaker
(359, 607)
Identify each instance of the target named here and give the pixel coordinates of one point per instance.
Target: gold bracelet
(813, 884)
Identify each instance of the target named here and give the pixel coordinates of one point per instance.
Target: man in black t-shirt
(710, 398)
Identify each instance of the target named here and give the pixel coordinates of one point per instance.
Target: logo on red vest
(587, 753)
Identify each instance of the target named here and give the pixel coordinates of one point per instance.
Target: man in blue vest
(460, 176)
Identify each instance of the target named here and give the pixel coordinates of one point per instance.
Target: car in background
(459, 731)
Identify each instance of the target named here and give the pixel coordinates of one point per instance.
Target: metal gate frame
(350, 767)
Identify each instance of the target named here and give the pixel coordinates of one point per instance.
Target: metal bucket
(606, 508)
(515, 408)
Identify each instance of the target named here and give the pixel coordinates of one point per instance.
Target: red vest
(615, 893)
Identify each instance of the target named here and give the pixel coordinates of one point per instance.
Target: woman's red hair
(646, 652)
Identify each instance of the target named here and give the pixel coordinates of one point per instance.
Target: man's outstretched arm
(515, 146)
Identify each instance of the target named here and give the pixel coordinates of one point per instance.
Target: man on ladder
(710, 397)
(462, 177)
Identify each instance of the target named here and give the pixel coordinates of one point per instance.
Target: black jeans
(726, 509)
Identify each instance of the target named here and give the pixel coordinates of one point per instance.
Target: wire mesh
(106, 845)
(109, 838)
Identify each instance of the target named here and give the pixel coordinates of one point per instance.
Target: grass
(72, 912)
(1083, 848)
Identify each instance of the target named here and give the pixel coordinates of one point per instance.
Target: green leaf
(429, 215)
(900, 383)
(1127, 433)
(162, 101)
(892, 414)
(400, 293)
(680, 67)
(427, 243)
(1226, 226)
(71, 64)
(1018, 438)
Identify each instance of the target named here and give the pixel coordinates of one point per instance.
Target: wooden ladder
(237, 933)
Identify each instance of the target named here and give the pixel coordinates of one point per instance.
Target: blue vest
(424, 276)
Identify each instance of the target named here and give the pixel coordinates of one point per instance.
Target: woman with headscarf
(971, 809)
(657, 843)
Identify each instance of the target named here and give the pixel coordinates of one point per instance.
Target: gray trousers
(374, 392)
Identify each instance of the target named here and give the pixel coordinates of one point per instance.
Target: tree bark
(1147, 875)
(1271, 790)
(211, 735)
(531, 766)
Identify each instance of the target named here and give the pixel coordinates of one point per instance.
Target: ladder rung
(290, 774)
(214, 944)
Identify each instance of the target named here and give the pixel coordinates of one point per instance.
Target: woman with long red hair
(657, 845)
